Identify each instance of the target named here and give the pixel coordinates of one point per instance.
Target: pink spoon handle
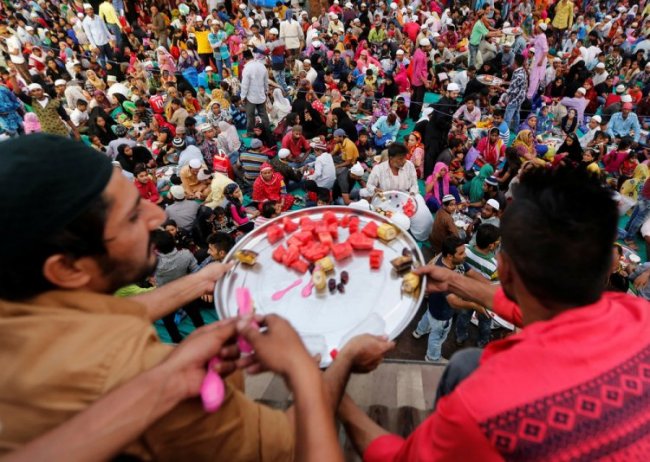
(281, 293)
(213, 390)
(244, 307)
(306, 291)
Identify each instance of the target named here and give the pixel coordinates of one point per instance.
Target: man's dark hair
(21, 277)
(268, 209)
(190, 121)
(519, 60)
(487, 234)
(222, 241)
(169, 222)
(164, 241)
(498, 112)
(454, 143)
(397, 150)
(138, 169)
(177, 102)
(450, 244)
(558, 232)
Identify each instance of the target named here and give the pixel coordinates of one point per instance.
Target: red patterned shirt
(576, 387)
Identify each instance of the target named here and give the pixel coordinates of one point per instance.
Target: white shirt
(589, 136)
(324, 171)
(461, 80)
(599, 78)
(311, 75)
(382, 177)
(78, 117)
(13, 45)
(291, 33)
(422, 221)
(96, 31)
(255, 82)
(189, 153)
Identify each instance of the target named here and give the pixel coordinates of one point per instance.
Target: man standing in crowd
(254, 88)
(98, 34)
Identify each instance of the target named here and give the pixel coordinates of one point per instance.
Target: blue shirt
(621, 127)
(439, 308)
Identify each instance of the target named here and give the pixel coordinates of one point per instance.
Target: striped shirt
(485, 264)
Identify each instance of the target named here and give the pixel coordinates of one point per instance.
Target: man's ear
(505, 269)
(68, 273)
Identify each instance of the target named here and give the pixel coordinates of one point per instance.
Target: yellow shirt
(108, 14)
(202, 42)
(64, 349)
(348, 150)
(563, 15)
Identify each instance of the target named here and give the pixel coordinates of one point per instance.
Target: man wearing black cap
(66, 342)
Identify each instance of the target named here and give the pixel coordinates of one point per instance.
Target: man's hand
(437, 277)
(212, 273)
(642, 280)
(186, 364)
(278, 348)
(366, 351)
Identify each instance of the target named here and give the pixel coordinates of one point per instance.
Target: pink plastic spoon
(281, 293)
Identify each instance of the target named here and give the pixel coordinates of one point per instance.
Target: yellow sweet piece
(326, 264)
(319, 279)
(387, 232)
(247, 257)
(410, 283)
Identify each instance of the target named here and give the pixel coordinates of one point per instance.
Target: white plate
(372, 303)
(392, 202)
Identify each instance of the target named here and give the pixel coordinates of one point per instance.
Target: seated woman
(269, 185)
(235, 209)
(416, 152)
(437, 186)
(491, 149)
(531, 124)
(570, 152)
(474, 189)
(385, 130)
(524, 143)
(569, 122)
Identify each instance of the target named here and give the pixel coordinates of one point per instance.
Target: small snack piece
(376, 258)
(278, 253)
(345, 221)
(341, 251)
(334, 231)
(341, 287)
(331, 285)
(345, 277)
(410, 283)
(354, 224)
(300, 265)
(292, 254)
(289, 225)
(307, 224)
(402, 263)
(274, 233)
(330, 218)
(409, 208)
(247, 257)
(311, 267)
(406, 252)
(319, 279)
(360, 241)
(325, 238)
(387, 232)
(314, 251)
(326, 264)
(370, 229)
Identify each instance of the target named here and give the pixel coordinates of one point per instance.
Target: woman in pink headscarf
(165, 61)
(437, 186)
(365, 60)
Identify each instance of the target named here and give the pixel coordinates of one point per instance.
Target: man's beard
(119, 274)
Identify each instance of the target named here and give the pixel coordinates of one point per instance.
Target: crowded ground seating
(225, 115)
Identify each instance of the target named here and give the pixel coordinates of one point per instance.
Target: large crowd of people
(520, 130)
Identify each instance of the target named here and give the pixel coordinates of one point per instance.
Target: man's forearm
(172, 296)
(361, 429)
(316, 437)
(471, 289)
(109, 424)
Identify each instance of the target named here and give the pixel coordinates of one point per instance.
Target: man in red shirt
(574, 384)
(418, 74)
(295, 142)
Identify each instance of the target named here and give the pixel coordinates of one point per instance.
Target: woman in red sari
(592, 96)
(269, 186)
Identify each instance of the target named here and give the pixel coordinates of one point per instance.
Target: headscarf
(288, 15)
(417, 145)
(228, 193)
(228, 133)
(281, 104)
(526, 149)
(267, 190)
(435, 191)
(574, 152)
(98, 83)
(165, 60)
(476, 185)
(217, 96)
(631, 187)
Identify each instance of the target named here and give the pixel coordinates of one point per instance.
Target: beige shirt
(63, 350)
